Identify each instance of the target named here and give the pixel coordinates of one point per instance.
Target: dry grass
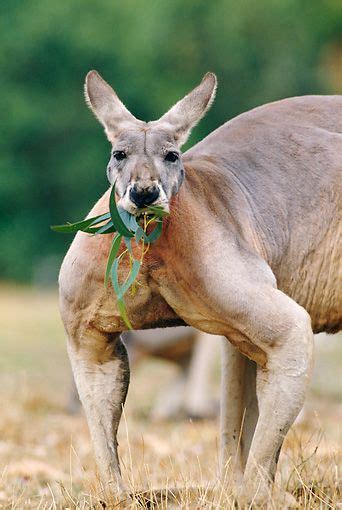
(46, 456)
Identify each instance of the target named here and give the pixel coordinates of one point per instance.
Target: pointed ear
(185, 114)
(105, 104)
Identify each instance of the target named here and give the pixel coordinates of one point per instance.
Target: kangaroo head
(146, 161)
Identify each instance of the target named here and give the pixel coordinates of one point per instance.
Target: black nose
(143, 197)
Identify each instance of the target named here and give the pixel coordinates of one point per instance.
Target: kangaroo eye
(119, 155)
(171, 156)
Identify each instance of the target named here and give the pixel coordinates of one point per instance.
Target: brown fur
(253, 240)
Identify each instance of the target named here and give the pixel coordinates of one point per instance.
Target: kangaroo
(250, 251)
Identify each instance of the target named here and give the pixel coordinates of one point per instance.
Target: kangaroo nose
(144, 197)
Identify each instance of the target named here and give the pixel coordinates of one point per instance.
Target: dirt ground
(46, 459)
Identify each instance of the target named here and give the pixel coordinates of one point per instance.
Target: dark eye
(119, 155)
(171, 156)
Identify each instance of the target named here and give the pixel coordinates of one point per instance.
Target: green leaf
(112, 254)
(132, 276)
(123, 313)
(128, 219)
(157, 211)
(119, 293)
(155, 234)
(139, 234)
(127, 227)
(70, 228)
(115, 278)
(128, 243)
(106, 229)
(120, 290)
(115, 215)
(102, 217)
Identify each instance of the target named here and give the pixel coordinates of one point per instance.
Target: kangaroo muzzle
(143, 197)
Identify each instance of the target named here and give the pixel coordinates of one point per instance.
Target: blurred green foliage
(53, 153)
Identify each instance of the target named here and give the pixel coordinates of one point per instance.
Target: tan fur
(251, 251)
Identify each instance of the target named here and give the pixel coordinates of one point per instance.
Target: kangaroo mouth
(132, 208)
(137, 207)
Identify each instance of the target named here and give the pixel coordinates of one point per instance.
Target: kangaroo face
(146, 165)
(146, 161)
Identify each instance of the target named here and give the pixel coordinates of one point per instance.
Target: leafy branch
(127, 227)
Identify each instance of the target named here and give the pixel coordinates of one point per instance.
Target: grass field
(46, 457)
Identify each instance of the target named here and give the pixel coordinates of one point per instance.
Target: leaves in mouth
(127, 226)
(117, 220)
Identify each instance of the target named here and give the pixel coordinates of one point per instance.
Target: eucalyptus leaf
(99, 219)
(128, 243)
(115, 215)
(155, 234)
(123, 313)
(128, 219)
(132, 276)
(70, 228)
(106, 229)
(157, 211)
(112, 254)
(134, 225)
(119, 294)
(120, 290)
(139, 234)
(115, 278)
(127, 226)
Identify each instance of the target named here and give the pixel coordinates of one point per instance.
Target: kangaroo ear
(185, 114)
(105, 104)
